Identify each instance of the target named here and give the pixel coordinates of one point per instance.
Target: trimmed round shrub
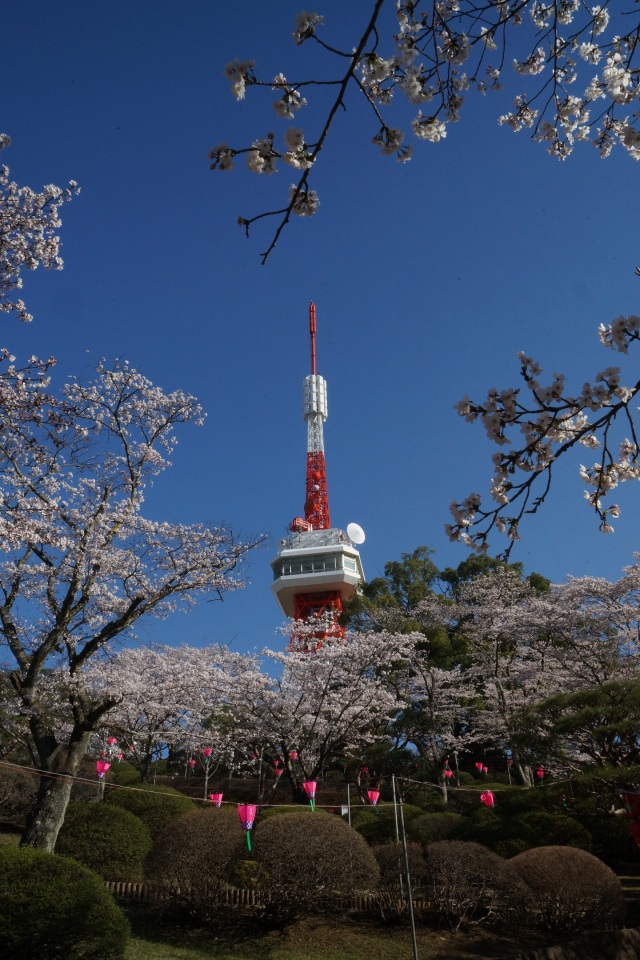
(124, 774)
(155, 806)
(544, 829)
(467, 883)
(194, 858)
(431, 827)
(54, 909)
(571, 888)
(307, 861)
(113, 842)
(267, 812)
(391, 897)
(378, 824)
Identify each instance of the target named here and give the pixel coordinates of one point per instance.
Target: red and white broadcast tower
(318, 567)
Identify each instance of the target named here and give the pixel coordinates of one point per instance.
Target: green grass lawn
(318, 939)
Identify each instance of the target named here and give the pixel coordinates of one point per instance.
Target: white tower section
(315, 411)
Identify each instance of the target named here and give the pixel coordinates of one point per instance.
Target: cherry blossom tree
(322, 705)
(28, 238)
(438, 718)
(80, 565)
(525, 646)
(165, 698)
(575, 66)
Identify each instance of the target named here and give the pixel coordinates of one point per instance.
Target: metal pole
(395, 805)
(409, 891)
(395, 815)
(260, 796)
(348, 803)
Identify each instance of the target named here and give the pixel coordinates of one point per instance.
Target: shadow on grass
(172, 935)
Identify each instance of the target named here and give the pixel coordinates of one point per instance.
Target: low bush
(571, 888)
(611, 839)
(430, 827)
(104, 838)
(278, 809)
(155, 806)
(125, 774)
(195, 856)
(542, 829)
(306, 861)
(391, 897)
(468, 884)
(514, 826)
(54, 909)
(378, 824)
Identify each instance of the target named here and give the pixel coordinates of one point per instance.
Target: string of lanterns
(247, 811)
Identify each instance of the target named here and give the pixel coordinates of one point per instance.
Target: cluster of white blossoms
(533, 65)
(240, 73)
(620, 333)
(290, 101)
(304, 202)
(428, 128)
(28, 237)
(306, 24)
(297, 154)
(261, 156)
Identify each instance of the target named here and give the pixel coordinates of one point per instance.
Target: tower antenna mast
(316, 504)
(317, 568)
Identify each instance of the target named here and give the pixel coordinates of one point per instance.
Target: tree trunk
(145, 767)
(526, 775)
(47, 814)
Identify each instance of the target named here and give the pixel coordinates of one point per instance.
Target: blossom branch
(429, 49)
(552, 426)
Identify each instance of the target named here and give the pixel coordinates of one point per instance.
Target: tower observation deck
(317, 567)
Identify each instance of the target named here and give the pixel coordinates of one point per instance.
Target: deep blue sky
(428, 278)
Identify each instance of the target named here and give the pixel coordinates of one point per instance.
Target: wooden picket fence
(235, 897)
(150, 892)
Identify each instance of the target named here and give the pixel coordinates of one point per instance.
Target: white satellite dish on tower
(355, 533)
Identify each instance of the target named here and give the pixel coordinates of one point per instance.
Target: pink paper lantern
(509, 763)
(206, 753)
(276, 763)
(374, 796)
(101, 768)
(487, 799)
(111, 741)
(309, 787)
(247, 814)
(216, 799)
(192, 763)
(278, 773)
(479, 765)
(120, 756)
(448, 773)
(540, 772)
(485, 769)
(293, 755)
